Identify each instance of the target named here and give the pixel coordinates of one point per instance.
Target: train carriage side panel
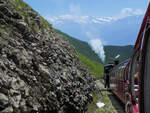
(142, 46)
(117, 81)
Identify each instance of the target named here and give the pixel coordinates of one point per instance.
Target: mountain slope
(82, 47)
(39, 71)
(86, 55)
(96, 69)
(111, 52)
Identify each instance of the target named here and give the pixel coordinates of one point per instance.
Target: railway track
(112, 104)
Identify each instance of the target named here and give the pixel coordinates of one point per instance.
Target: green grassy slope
(96, 69)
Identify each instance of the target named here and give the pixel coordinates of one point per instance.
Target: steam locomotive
(130, 80)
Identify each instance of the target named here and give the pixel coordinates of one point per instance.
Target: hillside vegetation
(111, 52)
(86, 55)
(82, 47)
(96, 69)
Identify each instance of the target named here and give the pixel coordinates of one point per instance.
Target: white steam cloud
(97, 46)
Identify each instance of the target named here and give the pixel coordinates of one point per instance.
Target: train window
(134, 77)
(117, 73)
(113, 74)
(120, 72)
(128, 72)
(134, 67)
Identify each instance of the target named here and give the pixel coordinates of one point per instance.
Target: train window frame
(128, 73)
(134, 63)
(122, 67)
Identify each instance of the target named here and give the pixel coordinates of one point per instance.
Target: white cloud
(130, 12)
(138, 12)
(54, 20)
(126, 12)
(77, 17)
(102, 19)
(66, 18)
(74, 16)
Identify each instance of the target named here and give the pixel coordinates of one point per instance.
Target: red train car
(142, 57)
(117, 80)
(130, 80)
(124, 83)
(138, 96)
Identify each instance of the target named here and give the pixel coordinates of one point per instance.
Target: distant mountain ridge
(111, 52)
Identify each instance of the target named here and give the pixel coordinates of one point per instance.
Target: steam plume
(97, 46)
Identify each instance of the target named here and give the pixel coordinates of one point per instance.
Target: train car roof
(143, 25)
(107, 65)
(122, 64)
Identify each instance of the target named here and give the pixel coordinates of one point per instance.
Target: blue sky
(88, 7)
(90, 20)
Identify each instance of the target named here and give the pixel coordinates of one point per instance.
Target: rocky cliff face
(39, 70)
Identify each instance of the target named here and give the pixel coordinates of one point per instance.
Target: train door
(145, 77)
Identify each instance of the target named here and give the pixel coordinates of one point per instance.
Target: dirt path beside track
(112, 104)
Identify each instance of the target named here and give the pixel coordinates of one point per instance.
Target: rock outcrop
(39, 70)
